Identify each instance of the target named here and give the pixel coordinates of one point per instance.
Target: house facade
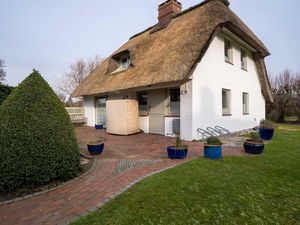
(198, 68)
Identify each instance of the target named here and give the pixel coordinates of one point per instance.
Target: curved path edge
(126, 188)
(25, 197)
(83, 195)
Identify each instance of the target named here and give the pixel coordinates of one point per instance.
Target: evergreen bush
(37, 139)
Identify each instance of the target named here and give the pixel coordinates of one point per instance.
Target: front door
(101, 111)
(157, 111)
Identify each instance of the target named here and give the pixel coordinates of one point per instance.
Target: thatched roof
(167, 54)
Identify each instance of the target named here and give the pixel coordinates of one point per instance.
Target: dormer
(120, 62)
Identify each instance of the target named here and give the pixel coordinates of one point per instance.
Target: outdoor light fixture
(184, 92)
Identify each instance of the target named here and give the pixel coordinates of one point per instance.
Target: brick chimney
(167, 10)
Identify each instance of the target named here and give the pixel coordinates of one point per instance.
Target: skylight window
(124, 62)
(121, 62)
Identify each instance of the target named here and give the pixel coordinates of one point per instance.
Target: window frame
(143, 112)
(177, 111)
(128, 61)
(226, 111)
(245, 103)
(244, 59)
(120, 64)
(228, 51)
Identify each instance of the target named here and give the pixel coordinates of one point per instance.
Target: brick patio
(125, 161)
(139, 146)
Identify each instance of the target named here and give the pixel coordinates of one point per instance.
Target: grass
(261, 189)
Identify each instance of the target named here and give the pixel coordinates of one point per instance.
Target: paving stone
(124, 165)
(124, 162)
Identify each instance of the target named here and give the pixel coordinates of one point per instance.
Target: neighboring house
(203, 66)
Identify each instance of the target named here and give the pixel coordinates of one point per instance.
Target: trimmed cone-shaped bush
(37, 139)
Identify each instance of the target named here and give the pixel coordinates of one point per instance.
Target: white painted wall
(186, 111)
(211, 75)
(144, 123)
(169, 126)
(89, 110)
(201, 106)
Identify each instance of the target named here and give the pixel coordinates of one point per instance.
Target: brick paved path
(112, 173)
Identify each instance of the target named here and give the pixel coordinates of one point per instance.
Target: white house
(198, 68)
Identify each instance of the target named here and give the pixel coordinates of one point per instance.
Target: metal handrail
(214, 131)
(222, 130)
(205, 133)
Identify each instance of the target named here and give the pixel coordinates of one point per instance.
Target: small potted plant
(213, 148)
(96, 147)
(179, 151)
(255, 145)
(266, 130)
(98, 126)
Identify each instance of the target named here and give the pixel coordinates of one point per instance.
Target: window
(101, 111)
(175, 101)
(245, 103)
(143, 103)
(226, 102)
(120, 62)
(228, 51)
(124, 62)
(243, 59)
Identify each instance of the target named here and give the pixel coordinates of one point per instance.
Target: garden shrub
(37, 139)
(255, 137)
(213, 141)
(4, 92)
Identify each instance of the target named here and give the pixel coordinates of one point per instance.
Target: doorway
(101, 111)
(157, 111)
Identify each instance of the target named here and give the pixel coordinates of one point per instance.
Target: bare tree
(297, 93)
(285, 89)
(78, 71)
(2, 71)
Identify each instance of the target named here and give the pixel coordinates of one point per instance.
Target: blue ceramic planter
(213, 151)
(266, 133)
(98, 127)
(253, 148)
(95, 148)
(174, 153)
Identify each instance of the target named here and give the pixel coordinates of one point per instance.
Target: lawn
(261, 189)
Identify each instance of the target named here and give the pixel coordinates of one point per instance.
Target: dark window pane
(227, 47)
(125, 62)
(143, 99)
(224, 99)
(175, 95)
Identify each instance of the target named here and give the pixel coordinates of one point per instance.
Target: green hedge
(37, 138)
(4, 92)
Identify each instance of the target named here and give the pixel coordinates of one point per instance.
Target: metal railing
(216, 131)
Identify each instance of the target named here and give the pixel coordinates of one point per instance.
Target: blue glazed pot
(95, 148)
(98, 127)
(174, 153)
(213, 151)
(266, 133)
(253, 148)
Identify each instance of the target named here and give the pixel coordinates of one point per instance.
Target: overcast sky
(50, 34)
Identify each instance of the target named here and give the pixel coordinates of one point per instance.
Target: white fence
(76, 114)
